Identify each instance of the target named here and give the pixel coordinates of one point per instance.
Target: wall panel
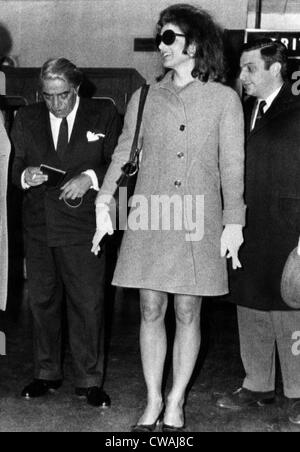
(96, 33)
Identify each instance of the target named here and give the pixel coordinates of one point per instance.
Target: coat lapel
(84, 122)
(43, 135)
(78, 127)
(279, 104)
(248, 110)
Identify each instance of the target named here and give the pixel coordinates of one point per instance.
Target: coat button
(182, 127)
(180, 155)
(177, 183)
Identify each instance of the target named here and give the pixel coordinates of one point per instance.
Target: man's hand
(103, 226)
(231, 240)
(33, 176)
(76, 187)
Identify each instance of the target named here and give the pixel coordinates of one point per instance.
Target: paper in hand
(55, 175)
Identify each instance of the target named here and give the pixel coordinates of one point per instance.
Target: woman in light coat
(4, 157)
(192, 162)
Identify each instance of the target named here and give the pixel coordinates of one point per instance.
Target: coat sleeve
(4, 158)
(231, 160)
(19, 140)
(4, 141)
(122, 151)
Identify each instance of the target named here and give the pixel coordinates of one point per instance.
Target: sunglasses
(168, 37)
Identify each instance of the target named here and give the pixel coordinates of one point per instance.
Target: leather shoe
(294, 411)
(39, 388)
(172, 428)
(139, 428)
(143, 428)
(95, 396)
(243, 398)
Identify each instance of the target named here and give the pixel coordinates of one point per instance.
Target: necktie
(62, 141)
(260, 111)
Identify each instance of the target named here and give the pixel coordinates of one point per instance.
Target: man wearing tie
(77, 137)
(272, 192)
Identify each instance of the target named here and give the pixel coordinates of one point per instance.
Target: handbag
(130, 168)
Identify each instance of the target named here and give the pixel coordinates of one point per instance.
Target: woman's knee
(153, 306)
(187, 309)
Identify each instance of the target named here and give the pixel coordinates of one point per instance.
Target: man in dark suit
(272, 114)
(76, 136)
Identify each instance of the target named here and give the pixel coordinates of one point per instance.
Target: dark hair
(63, 69)
(271, 52)
(199, 28)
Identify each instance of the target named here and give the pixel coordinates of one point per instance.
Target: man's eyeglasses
(168, 37)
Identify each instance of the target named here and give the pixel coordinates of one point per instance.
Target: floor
(218, 370)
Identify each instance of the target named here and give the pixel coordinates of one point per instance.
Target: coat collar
(167, 83)
(282, 102)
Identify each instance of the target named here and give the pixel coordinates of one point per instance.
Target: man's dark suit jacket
(45, 217)
(272, 194)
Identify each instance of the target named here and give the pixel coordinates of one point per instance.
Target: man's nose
(55, 102)
(243, 74)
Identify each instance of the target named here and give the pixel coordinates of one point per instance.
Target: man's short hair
(271, 52)
(63, 69)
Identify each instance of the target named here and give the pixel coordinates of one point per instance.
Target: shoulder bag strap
(134, 147)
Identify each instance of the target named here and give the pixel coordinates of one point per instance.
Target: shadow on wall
(5, 44)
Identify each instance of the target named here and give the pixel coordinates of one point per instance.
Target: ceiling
(276, 6)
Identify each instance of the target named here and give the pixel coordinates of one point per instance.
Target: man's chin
(249, 91)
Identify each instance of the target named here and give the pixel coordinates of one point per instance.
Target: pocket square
(91, 136)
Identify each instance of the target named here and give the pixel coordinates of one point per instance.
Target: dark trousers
(82, 275)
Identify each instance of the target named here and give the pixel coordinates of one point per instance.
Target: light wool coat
(4, 156)
(193, 152)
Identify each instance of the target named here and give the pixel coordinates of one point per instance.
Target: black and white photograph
(150, 218)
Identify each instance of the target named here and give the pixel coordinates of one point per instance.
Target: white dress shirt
(55, 125)
(56, 122)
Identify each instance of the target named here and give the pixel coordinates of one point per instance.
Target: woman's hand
(231, 240)
(103, 226)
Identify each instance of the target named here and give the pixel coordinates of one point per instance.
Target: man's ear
(275, 69)
(76, 88)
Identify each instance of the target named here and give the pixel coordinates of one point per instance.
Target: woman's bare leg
(153, 345)
(185, 353)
